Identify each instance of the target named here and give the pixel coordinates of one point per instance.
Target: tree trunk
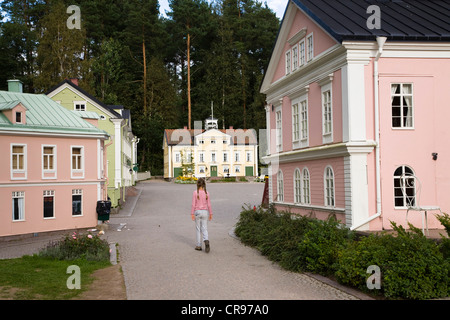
(189, 77)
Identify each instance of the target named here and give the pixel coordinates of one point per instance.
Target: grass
(42, 278)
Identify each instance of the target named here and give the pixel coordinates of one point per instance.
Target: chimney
(74, 81)
(15, 86)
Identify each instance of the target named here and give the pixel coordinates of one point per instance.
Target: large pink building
(355, 101)
(53, 165)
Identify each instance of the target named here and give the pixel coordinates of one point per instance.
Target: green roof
(43, 115)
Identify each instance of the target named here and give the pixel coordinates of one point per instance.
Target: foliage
(444, 219)
(78, 246)
(412, 266)
(187, 180)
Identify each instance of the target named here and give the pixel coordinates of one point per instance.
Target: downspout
(105, 167)
(381, 41)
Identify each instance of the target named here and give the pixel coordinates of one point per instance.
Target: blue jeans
(201, 225)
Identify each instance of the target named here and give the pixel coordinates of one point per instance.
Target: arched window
(306, 193)
(280, 188)
(404, 187)
(297, 186)
(329, 187)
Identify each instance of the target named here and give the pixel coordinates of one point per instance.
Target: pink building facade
(53, 166)
(347, 117)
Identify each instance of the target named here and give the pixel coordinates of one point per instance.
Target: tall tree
(190, 21)
(60, 50)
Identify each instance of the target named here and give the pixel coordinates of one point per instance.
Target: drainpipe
(381, 41)
(105, 167)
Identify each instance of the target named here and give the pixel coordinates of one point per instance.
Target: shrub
(411, 265)
(77, 246)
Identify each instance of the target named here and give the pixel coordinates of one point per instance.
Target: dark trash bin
(103, 210)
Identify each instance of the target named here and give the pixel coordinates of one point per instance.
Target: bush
(412, 266)
(77, 246)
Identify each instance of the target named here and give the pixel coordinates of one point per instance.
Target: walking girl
(200, 213)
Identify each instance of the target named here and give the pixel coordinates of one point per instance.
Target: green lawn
(34, 277)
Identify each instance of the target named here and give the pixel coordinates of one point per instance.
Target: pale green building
(116, 121)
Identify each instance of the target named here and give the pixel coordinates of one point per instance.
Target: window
(213, 157)
(18, 117)
(248, 156)
(304, 120)
(77, 158)
(201, 169)
(404, 187)
(201, 157)
(177, 157)
(48, 158)
(329, 187)
(225, 157)
(310, 47)
(278, 130)
(297, 186)
(49, 200)
(295, 123)
(280, 186)
(18, 158)
(402, 105)
(236, 157)
(237, 169)
(18, 205)
(305, 186)
(213, 141)
(79, 106)
(288, 62)
(226, 169)
(327, 112)
(302, 57)
(225, 141)
(294, 57)
(76, 202)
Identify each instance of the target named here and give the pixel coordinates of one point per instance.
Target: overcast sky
(278, 6)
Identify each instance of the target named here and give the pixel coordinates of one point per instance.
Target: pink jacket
(201, 203)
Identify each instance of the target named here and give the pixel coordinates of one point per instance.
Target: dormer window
(79, 105)
(18, 117)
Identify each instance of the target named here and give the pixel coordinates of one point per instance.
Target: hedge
(412, 266)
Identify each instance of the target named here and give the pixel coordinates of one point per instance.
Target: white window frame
(329, 187)
(45, 171)
(202, 169)
(237, 156)
(288, 61)
(21, 171)
(302, 52)
(78, 192)
(248, 156)
(177, 157)
(279, 129)
(402, 116)
(327, 109)
(297, 186)
(49, 193)
(77, 173)
(403, 185)
(237, 169)
(225, 157)
(226, 169)
(309, 47)
(294, 57)
(201, 157)
(304, 125)
(21, 214)
(280, 186)
(213, 157)
(79, 103)
(295, 122)
(306, 186)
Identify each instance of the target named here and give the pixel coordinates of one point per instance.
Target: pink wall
(34, 186)
(316, 170)
(414, 147)
(322, 41)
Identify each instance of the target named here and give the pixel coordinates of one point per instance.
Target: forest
(168, 70)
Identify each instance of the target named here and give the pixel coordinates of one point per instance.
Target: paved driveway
(156, 250)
